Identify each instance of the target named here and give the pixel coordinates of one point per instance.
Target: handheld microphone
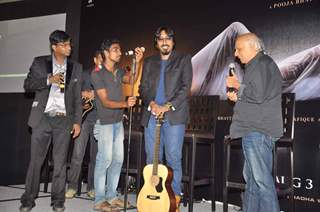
(232, 69)
(131, 52)
(61, 84)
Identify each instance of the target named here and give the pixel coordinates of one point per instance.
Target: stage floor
(10, 202)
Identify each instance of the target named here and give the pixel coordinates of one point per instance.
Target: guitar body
(159, 198)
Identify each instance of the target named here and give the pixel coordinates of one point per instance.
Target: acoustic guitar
(156, 194)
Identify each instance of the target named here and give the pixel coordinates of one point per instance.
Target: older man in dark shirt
(257, 119)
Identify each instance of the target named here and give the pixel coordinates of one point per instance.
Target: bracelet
(169, 106)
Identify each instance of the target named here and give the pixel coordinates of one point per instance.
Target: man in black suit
(56, 112)
(164, 88)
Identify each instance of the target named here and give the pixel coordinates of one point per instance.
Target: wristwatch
(169, 106)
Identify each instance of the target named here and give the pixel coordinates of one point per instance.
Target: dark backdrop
(287, 27)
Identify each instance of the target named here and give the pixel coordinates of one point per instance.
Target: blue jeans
(108, 161)
(260, 193)
(171, 142)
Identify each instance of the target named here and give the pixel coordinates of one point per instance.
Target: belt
(56, 114)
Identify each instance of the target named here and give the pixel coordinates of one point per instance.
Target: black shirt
(104, 79)
(258, 108)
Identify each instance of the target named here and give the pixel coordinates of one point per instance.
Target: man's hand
(232, 81)
(75, 130)
(232, 96)
(153, 107)
(131, 101)
(139, 54)
(56, 79)
(158, 110)
(161, 111)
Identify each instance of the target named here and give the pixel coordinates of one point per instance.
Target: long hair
(167, 30)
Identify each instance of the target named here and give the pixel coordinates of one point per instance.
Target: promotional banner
(207, 30)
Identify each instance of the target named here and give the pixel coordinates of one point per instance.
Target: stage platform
(10, 202)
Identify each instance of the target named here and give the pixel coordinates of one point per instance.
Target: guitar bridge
(153, 197)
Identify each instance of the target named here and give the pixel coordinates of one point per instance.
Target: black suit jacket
(178, 79)
(36, 81)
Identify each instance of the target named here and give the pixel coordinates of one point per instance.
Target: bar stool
(200, 131)
(286, 141)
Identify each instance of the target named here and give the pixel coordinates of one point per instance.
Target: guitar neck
(156, 149)
(87, 106)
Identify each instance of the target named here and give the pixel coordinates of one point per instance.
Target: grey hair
(256, 42)
(259, 44)
(253, 40)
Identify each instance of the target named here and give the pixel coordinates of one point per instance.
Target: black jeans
(79, 149)
(49, 129)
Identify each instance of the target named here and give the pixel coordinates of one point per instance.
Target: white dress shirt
(55, 102)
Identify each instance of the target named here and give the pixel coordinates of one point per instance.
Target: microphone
(232, 69)
(61, 84)
(131, 52)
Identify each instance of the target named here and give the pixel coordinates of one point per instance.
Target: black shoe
(59, 207)
(26, 208)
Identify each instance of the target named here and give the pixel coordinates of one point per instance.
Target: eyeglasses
(65, 44)
(115, 49)
(159, 39)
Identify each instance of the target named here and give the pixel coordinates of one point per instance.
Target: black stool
(200, 131)
(286, 141)
(137, 157)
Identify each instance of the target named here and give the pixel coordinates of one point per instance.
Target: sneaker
(70, 193)
(59, 207)
(91, 194)
(26, 208)
(119, 203)
(104, 206)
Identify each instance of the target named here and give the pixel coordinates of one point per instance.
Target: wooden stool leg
(186, 171)
(226, 174)
(292, 208)
(139, 165)
(193, 164)
(212, 180)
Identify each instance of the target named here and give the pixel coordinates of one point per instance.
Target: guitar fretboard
(156, 147)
